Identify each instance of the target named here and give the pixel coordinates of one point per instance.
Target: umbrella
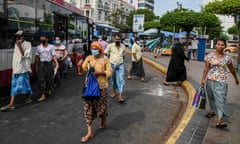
(153, 43)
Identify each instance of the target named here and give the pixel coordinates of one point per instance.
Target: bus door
(61, 26)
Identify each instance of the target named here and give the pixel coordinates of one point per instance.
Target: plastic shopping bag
(92, 89)
(199, 100)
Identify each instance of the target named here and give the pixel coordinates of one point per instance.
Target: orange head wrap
(97, 45)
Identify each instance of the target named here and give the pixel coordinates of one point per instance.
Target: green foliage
(233, 30)
(152, 24)
(148, 16)
(226, 7)
(187, 20)
(116, 18)
(223, 36)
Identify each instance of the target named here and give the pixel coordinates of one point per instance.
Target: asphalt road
(148, 115)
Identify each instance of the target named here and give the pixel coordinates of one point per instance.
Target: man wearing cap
(21, 66)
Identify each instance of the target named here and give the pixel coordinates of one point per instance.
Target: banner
(138, 22)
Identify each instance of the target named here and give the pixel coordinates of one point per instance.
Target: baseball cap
(19, 33)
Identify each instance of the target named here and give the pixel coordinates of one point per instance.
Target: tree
(152, 24)
(233, 30)
(148, 16)
(188, 19)
(117, 19)
(225, 7)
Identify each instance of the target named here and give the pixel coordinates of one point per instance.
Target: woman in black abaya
(176, 69)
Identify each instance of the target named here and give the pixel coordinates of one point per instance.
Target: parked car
(166, 51)
(231, 49)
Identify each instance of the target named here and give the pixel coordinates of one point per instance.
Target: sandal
(210, 115)
(144, 80)
(113, 95)
(221, 125)
(121, 100)
(86, 138)
(165, 83)
(103, 125)
(129, 78)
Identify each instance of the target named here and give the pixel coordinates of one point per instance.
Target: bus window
(1, 7)
(45, 20)
(21, 16)
(3, 27)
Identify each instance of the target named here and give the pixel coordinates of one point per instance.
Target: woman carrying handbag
(215, 77)
(97, 107)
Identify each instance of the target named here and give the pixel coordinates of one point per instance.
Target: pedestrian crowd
(106, 63)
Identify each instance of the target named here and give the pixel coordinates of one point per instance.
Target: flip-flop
(113, 96)
(129, 78)
(210, 115)
(144, 80)
(121, 100)
(84, 139)
(166, 83)
(221, 125)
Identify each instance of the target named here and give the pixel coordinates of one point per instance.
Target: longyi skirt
(137, 69)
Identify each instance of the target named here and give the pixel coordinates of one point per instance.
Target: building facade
(142, 4)
(101, 10)
(146, 4)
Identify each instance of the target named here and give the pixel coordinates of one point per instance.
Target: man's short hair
(117, 35)
(44, 35)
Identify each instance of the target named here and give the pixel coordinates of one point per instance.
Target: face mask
(43, 42)
(57, 42)
(117, 43)
(95, 52)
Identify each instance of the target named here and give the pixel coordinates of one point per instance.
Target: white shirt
(60, 51)
(22, 64)
(45, 54)
(194, 44)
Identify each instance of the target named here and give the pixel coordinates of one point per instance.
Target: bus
(105, 30)
(34, 17)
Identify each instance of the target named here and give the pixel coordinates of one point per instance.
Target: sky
(162, 6)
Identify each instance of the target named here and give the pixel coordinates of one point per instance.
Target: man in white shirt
(21, 66)
(194, 47)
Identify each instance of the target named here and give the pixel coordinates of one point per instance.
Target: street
(147, 117)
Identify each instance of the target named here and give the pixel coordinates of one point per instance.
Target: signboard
(138, 22)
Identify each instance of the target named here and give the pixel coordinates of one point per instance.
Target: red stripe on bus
(6, 76)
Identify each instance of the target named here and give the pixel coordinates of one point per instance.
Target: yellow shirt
(137, 50)
(100, 65)
(116, 54)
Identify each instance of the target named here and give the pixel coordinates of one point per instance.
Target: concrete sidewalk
(201, 129)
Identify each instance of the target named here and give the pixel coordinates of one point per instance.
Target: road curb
(188, 87)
